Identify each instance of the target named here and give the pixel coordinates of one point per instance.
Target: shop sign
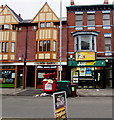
(84, 56)
(59, 101)
(95, 63)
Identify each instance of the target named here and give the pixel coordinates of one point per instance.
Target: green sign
(94, 63)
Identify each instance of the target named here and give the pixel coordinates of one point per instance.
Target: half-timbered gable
(8, 32)
(46, 34)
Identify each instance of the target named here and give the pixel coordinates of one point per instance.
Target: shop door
(20, 79)
(30, 76)
(98, 79)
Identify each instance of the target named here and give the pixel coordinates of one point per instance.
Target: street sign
(60, 105)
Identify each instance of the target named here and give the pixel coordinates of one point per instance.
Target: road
(42, 107)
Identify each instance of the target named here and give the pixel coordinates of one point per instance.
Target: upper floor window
(79, 21)
(54, 45)
(48, 24)
(106, 21)
(85, 43)
(42, 25)
(5, 26)
(13, 27)
(12, 47)
(4, 46)
(91, 21)
(44, 45)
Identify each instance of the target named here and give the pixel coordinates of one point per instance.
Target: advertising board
(60, 105)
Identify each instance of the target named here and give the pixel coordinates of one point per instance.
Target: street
(42, 107)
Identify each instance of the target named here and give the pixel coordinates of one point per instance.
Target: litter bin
(73, 90)
(64, 86)
(49, 85)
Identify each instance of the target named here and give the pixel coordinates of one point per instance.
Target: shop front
(44, 68)
(8, 76)
(87, 74)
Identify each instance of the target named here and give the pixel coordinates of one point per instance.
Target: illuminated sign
(84, 56)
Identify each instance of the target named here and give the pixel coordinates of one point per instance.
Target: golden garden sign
(85, 56)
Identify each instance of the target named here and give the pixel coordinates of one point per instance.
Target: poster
(60, 105)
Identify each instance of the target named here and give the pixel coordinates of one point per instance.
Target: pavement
(108, 92)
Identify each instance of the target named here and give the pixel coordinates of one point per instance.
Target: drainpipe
(25, 67)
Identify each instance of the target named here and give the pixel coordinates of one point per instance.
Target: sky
(29, 8)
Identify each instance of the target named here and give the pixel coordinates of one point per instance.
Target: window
(54, 45)
(106, 21)
(48, 24)
(91, 21)
(6, 26)
(12, 47)
(79, 21)
(85, 43)
(45, 44)
(13, 27)
(40, 45)
(48, 45)
(4, 47)
(42, 25)
(107, 44)
(34, 27)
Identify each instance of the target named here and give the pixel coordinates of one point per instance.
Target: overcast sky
(29, 8)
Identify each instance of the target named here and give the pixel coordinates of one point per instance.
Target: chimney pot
(72, 2)
(106, 2)
(19, 15)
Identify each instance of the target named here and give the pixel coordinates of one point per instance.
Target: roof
(14, 14)
(91, 7)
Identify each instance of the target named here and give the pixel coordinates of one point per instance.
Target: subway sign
(85, 56)
(95, 63)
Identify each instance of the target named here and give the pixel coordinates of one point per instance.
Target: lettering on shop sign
(85, 63)
(46, 63)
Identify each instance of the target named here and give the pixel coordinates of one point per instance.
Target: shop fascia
(94, 63)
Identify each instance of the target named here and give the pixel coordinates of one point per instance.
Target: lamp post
(60, 39)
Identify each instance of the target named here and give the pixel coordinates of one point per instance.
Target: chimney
(72, 2)
(105, 1)
(19, 15)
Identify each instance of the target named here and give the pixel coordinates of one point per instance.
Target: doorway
(30, 76)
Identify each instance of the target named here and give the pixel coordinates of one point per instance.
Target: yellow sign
(84, 56)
